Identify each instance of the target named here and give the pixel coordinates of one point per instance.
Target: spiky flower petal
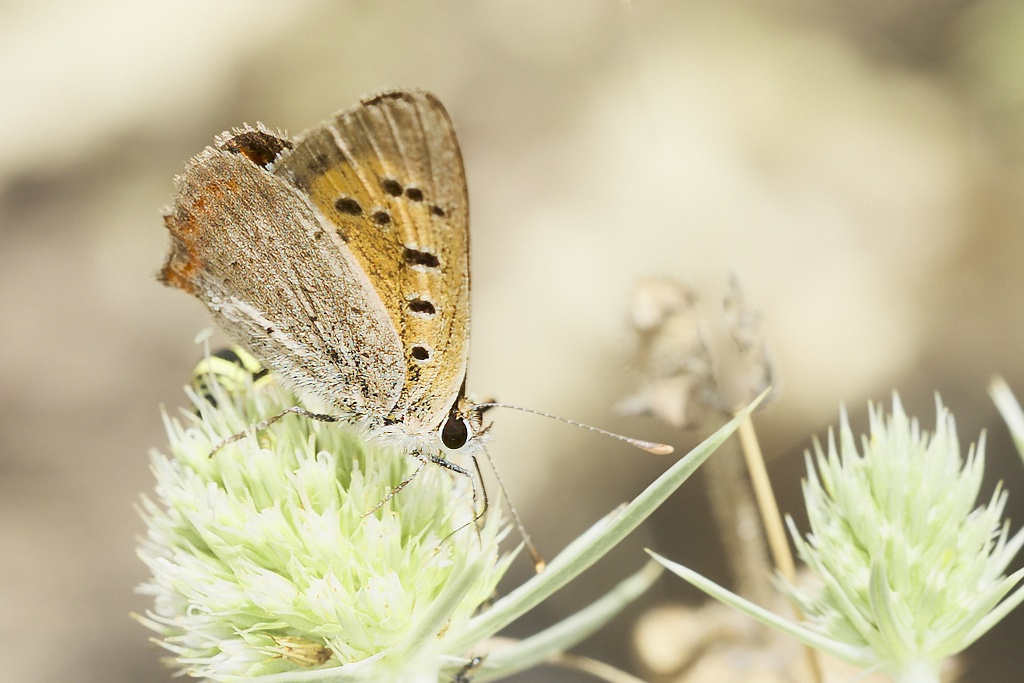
(909, 567)
(910, 571)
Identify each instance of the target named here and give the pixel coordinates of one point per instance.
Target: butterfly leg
(449, 465)
(423, 460)
(401, 485)
(477, 520)
(478, 517)
(465, 674)
(458, 469)
(262, 425)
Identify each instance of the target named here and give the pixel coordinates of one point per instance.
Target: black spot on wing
(258, 146)
(349, 206)
(422, 306)
(392, 187)
(417, 257)
(316, 156)
(389, 95)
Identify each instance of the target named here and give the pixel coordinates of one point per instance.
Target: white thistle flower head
(265, 561)
(911, 570)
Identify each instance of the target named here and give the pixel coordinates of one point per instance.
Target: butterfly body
(340, 259)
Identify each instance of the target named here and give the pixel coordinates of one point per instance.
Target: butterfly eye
(454, 432)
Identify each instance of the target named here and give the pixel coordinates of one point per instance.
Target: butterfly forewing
(388, 174)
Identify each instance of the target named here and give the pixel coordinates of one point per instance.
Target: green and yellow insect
(233, 369)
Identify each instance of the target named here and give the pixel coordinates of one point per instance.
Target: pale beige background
(859, 164)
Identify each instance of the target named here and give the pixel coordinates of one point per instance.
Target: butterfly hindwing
(263, 259)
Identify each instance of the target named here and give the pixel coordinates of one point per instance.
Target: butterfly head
(462, 426)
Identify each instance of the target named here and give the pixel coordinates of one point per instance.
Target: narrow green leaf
(801, 633)
(567, 633)
(596, 541)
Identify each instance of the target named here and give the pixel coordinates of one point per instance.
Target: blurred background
(857, 164)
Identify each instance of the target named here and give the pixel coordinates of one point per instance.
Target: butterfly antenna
(539, 563)
(649, 446)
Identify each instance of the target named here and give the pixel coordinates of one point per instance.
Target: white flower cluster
(264, 558)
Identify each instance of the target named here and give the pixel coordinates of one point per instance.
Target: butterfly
(340, 259)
